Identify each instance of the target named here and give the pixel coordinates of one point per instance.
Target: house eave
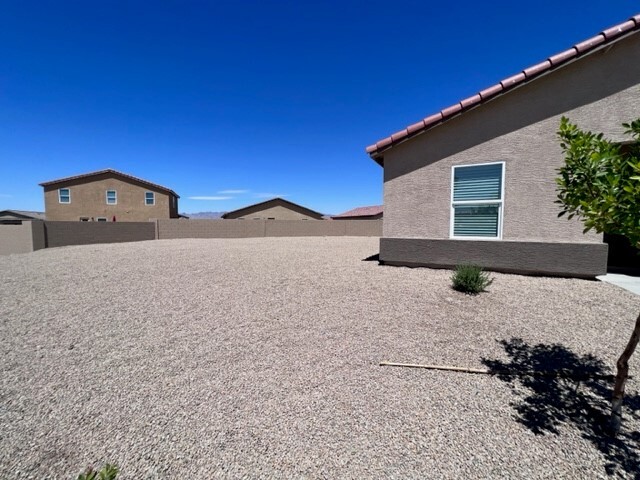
(603, 41)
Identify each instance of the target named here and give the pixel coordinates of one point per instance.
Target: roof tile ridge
(509, 82)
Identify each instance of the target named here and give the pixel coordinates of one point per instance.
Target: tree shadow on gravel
(578, 396)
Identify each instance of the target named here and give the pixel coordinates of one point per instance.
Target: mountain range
(204, 215)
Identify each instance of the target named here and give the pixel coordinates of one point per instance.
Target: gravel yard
(252, 358)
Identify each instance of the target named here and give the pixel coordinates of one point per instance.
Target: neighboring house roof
(273, 201)
(604, 38)
(370, 211)
(114, 173)
(24, 214)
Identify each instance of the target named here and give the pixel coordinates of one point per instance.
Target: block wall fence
(60, 234)
(34, 235)
(168, 229)
(21, 238)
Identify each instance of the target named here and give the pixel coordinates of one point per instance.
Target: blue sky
(232, 102)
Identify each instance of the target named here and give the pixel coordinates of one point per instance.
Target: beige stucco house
(372, 212)
(274, 209)
(17, 216)
(475, 182)
(106, 195)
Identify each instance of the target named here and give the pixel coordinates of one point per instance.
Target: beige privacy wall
(24, 238)
(60, 234)
(598, 92)
(35, 235)
(168, 229)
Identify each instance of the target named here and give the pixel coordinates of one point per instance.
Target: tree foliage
(600, 181)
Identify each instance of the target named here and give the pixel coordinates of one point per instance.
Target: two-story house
(108, 195)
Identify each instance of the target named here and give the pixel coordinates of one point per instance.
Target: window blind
(477, 200)
(477, 183)
(475, 220)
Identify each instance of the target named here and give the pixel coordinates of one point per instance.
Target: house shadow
(577, 397)
(622, 257)
(372, 258)
(628, 271)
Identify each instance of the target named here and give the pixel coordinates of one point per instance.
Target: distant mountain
(217, 215)
(204, 215)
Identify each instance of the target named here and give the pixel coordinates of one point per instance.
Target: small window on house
(101, 219)
(64, 195)
(477, 201)
(84, 219)
(149, 198)
(271, 218)
(112, 197)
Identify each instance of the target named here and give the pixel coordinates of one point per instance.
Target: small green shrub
(108, 472)
(470, 279)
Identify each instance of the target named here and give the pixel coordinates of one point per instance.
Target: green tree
(600, 184)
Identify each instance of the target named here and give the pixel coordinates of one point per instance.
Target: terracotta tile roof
(113, 172)
(606, 36)
(361, 212)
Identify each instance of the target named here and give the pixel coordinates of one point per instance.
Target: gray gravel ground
(259, 358)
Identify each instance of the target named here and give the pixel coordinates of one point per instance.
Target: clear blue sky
(254, 97)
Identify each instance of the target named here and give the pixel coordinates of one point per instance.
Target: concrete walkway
(624, 281)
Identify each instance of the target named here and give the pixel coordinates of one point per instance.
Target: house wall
(23, 238)
(542, 258)
(168, 229)
(364, 217)
(10, 216)
(88, 199)
(598, 92)
(60, 234)
(277, 212)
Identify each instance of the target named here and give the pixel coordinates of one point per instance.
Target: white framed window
(112, 197)
(477, 200)
(101, 219)
(149, 198)
(64, 195)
